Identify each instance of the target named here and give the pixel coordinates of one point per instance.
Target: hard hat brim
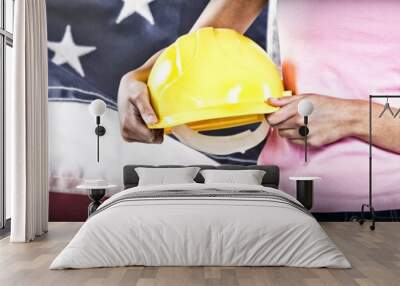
(223, 116)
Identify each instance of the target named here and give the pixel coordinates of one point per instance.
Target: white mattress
(188, 231)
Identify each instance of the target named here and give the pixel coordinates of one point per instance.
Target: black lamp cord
(98, 137)
(305, 138)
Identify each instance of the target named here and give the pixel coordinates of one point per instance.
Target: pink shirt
(346, 49)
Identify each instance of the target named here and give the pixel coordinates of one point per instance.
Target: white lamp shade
(305, 107)
(97, 107)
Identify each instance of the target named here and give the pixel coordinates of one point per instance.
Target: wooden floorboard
(375, 257)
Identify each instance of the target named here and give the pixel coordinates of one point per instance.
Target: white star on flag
(68, 52)
(136, 6)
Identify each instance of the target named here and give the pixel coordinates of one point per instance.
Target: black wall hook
(100, 130)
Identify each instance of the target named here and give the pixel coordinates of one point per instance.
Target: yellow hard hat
(212, 79)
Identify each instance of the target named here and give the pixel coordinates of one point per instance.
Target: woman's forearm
(385, 130)
(232, 14)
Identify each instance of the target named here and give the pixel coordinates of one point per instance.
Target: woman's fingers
(293, 122)
(135, 112)
(284, 114)
(291, 134)
(135, 130)
(288, 109)
(282, 101)
(290, 128)
(139, 97)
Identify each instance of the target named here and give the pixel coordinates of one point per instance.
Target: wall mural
(93, 44)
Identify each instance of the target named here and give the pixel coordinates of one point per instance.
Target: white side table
(305, 190)
(95, 193)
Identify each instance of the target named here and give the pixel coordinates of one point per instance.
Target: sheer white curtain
(26, 124)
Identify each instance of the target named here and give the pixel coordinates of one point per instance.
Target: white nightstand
(96, 191)
(305, 190)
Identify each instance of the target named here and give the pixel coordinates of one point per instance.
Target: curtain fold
(26, 124)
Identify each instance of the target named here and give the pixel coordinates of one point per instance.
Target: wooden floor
(375, 257)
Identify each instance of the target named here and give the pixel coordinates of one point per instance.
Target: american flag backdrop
(93, 43)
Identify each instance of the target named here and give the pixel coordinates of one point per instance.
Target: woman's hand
(135, 110)
(134, 107)
(331, 120)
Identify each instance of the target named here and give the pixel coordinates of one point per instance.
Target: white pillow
(248, 177)
(166, 176)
